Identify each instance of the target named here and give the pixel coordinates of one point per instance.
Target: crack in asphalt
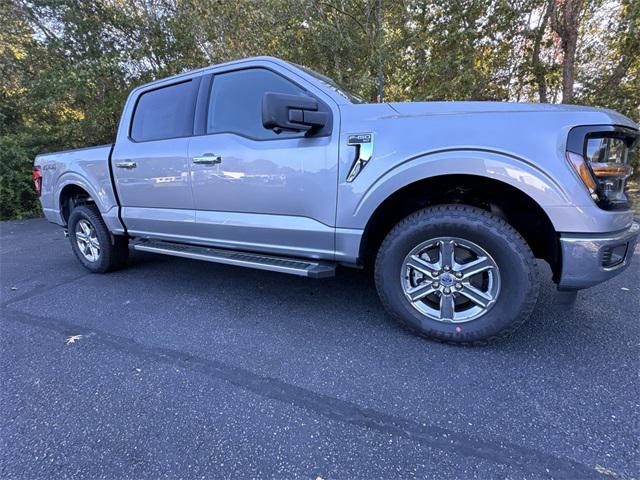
(493, 449)
(40, 288)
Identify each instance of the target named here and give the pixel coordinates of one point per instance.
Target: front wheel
(92, 242)
(457, 273)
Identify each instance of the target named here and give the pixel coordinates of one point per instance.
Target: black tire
(114, 250)
(516, 266)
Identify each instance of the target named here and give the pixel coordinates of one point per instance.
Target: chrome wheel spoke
(446, 253)
(420, 291)
(481, 299)
(86, 228)
(447, 307)
(422, 266)
(481, 264)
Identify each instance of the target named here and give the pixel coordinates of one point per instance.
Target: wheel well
(516, 207)
(70, 197)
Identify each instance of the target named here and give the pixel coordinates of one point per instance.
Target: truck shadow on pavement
(351, 298)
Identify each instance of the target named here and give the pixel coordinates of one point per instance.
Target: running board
(294, 266)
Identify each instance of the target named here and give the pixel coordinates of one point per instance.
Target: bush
(18, 198)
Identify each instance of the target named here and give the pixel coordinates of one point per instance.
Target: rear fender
(101, 196)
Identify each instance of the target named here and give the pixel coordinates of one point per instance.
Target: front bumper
(589, 259)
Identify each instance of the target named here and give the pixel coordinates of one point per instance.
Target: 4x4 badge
(364, 151)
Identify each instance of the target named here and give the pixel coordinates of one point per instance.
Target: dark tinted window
(164, 113)
(235, 104)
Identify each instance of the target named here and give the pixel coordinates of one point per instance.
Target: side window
(235, 103)
(164, 113)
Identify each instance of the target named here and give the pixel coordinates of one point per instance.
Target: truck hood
(418, 109)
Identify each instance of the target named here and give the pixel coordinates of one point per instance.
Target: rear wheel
(457, 273)
(92, 243)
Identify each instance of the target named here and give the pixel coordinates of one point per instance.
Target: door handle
(207, 159)
(126, 164)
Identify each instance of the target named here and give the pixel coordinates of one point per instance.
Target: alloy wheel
(450, 279)
(87, 240)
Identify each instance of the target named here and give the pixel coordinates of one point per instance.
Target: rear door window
(165, 112)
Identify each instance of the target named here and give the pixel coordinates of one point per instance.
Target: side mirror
(296, 113)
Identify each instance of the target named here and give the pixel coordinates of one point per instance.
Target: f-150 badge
(364, 151)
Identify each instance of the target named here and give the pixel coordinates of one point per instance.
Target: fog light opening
(614, 256)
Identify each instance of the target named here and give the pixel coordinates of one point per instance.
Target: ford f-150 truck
(266, 164)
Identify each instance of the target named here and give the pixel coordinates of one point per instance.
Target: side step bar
(294, 266)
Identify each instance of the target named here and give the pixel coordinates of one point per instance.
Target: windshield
(332, 84)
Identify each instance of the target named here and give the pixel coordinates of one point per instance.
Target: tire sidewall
(518, 279)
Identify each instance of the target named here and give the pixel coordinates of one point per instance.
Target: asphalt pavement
(174, 368)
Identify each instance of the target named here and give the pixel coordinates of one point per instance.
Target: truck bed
(87, 168)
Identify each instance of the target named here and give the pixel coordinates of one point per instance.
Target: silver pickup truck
(265, 164)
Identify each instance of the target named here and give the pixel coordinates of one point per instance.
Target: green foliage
(67, 65)
(17, 195)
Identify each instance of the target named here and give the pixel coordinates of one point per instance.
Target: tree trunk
(538, 69)
(565, 16)
(570, 43)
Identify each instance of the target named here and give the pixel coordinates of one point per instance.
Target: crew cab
(266, 164)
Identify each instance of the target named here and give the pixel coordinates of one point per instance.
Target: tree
(68, 65)
(564, 17)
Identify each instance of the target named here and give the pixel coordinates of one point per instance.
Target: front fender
(360, 200)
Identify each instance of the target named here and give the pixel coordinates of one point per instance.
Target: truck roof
(177, 76)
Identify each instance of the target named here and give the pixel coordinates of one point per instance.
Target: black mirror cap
(294, 113)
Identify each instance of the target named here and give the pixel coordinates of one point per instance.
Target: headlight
(600, 156)
(608, 157)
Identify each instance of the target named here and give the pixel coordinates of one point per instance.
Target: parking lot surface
(173, 368)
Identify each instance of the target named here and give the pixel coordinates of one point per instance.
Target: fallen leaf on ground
(72, 339)
(605, 471)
